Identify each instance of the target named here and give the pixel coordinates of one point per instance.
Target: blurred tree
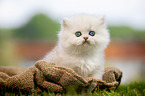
(39, 27)
(42, 27)
(125, 32)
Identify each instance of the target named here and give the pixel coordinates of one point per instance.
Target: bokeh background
(28, 30)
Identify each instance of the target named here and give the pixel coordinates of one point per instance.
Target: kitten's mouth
(86, 42)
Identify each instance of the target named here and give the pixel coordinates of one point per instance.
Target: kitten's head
(84, 31)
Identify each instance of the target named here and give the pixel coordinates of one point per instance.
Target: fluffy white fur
(86, 59)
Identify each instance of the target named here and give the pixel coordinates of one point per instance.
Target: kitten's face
(85, 31)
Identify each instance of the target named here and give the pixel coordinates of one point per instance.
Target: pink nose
(85, 38)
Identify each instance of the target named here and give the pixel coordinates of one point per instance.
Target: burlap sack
(48, 77)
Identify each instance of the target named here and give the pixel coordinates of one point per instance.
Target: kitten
(81, 45)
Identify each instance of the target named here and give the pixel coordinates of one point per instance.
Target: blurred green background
(39, 27)
(42, 28)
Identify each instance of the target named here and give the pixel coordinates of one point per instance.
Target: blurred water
(133, 70)
(27, 64)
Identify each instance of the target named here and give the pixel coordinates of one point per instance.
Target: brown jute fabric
(48, 77)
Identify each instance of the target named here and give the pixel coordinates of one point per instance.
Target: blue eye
(91, 33)
(78, 34)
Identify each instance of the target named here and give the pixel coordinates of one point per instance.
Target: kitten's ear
(65, 22)
(101, 20)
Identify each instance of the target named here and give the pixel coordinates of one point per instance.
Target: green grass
(133, 89)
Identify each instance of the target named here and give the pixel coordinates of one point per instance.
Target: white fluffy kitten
(81, 45)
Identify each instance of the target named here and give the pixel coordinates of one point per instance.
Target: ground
(133, 89)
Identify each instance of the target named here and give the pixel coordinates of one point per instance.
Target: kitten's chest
(87, 63)
(81, 65)
(85, 67)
